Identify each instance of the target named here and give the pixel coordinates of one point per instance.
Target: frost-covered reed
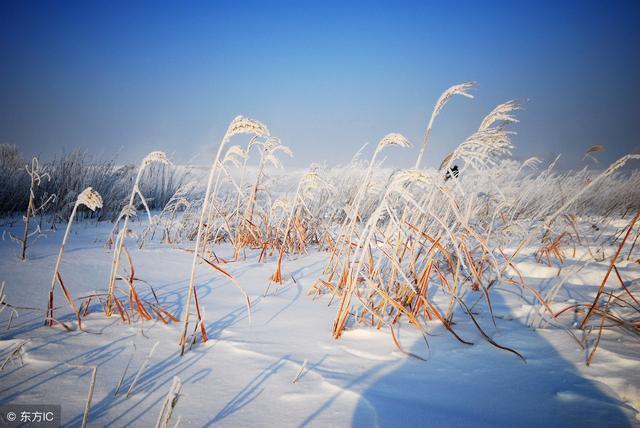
(128, 211)
(239, 125)
(420, 245)
(92, 200)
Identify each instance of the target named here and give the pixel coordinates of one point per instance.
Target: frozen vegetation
(486, 292)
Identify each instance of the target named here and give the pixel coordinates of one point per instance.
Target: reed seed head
(460, 89)
(281, 148)
(245, 125)
(502, 113)
(393, 139)
(90, 199)
(235, 155)
(236, 151)
(281, 203)
(532, 162)
(155, 156)
(270, 158)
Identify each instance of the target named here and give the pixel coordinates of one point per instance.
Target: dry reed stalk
(350, 275)
(239, 125)
(36, 175)
(311, 180)
(30, 207)
(236, 240)
(345, 234)
(10, 321)
(169, 403)
(299, 374)
(70, 301)
(128, 210)
(267, 155)
(277, 276)
(92, 384)
(269, 149)
(92, 200)
(16, 353)
(142, 367)
(600, 329)
(233, 156)
(397, 343)
(126, 368)
(3, 298)
(633, 245)
(485, 335)
(133, 294)
(611, 266)
(235, 282)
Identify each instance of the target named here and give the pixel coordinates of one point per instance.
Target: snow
(244, 374)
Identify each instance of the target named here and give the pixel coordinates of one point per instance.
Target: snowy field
(282, 367)
(254, 214)
(487, 292)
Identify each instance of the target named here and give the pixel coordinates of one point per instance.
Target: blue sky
(325, 76)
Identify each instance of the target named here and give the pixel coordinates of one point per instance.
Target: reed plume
(461, 89)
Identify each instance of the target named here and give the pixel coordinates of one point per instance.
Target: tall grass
(412, 244)
(127, 212)
(239, 125)
(69, 174)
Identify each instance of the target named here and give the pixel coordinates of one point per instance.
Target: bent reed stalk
(92, 200)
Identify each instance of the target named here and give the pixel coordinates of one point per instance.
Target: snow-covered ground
(244, 375)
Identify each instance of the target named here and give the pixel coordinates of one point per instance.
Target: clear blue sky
(325, 76)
